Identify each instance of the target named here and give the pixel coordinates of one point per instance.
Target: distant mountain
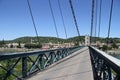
(81, 38)
(29, 39)
(34, 39)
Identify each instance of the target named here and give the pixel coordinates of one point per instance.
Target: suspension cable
(92, 19)
(53, 18)
(62, 18)
(100, 18)
(96, 20)
(111, 9)
(33, 21)
(74, 18)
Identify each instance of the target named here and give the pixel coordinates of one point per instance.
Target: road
(74, 67)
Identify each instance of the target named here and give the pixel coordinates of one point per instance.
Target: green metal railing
(105, 67)
(22, 65)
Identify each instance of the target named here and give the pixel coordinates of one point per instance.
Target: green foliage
(104, 48)
(11, 46)
(81, 39)
(34, 40)
(2, 43)
(109, 48)
(76, 43)
(76, 39)
(17, 70)
(27, 40)
(29, 46)
(2, 73)
(19, 45)
(114, 46)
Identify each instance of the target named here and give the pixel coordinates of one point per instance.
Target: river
(117, 56)
(115, 53)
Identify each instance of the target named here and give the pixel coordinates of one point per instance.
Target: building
(87, 40)
(15, 45)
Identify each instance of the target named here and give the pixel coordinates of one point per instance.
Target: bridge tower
(87, 40)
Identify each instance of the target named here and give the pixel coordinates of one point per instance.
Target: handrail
(101, 59)
(4, 56)
(39, 62)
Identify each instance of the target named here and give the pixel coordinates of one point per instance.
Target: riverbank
(12, 50)
(116, 51)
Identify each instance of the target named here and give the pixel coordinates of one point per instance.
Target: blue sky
(15, 19)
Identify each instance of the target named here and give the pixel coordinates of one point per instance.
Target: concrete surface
(74, 67)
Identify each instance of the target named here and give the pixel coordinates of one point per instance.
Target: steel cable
(33, 21)
(62, 18)
(92, 19)
(111, 9)
(53, 18)
(100, 18)
(74, 17)
(96, 19)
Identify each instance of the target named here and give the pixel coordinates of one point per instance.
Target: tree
(104, 48)
(2, 43)
(76, 43)
(114, 46)
(11, 46)
(19, 45)
(29, 46)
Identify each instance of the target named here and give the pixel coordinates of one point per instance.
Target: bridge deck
(74, 67)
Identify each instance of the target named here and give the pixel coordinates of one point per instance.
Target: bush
(29, 46)
(104, 48)
(19, 45)
(11, 46)
(2, 43)
(114, 46)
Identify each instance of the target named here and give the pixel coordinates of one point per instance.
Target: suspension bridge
(68, 63)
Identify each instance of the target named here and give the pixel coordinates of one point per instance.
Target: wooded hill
(44, 40)
(55, 40)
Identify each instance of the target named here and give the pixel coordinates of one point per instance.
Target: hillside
(34, 39)
(28, 39)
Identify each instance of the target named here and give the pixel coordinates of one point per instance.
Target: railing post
(66, 52)
(52, 57)
(42, 61)
(62, 54)
(24, 67)
(58, 56)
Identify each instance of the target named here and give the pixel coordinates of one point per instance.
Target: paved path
(74, 67)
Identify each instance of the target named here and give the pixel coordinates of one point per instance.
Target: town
(32, 44)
